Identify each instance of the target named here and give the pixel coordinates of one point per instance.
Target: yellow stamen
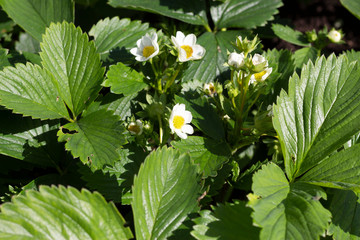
(148, 50)
(178, 122)
(189, 51)
(259, 75)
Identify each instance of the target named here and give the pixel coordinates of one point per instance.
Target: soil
(305, 15)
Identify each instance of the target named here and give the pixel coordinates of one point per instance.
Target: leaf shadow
(187, 6)
(117, 55)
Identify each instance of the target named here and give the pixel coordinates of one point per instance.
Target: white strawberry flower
(147, 47)
(236, 60)
(179, 121)
(261, 76)
(187, 47)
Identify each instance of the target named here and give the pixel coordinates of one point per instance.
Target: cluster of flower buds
(187, 49)
(256, 65)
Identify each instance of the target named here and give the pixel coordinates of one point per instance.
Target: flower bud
(259, 63)
(236, 60)
(246, 46)
(334, 36)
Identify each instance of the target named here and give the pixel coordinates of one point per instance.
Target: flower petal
(187, 116)
(199, 51)
(190, 40)
(187, 129)
(181, 134)
(180, 37)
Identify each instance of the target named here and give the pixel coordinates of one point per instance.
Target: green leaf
(27, 43)
(120, 105)
(34, 16)
(123, 79)
(303, 55)
(353, 6)
(4, 61)
(345, 209)
(352, 55)
(340, 170)
(114, 182)
(164, 192)
(244, 13)
(283, 67)
(212, 65)
(29, 90)
(290, 35)
(188, 11)
(208, 154)
(61, 213)
(96, 138)
(72, 59)
(117, 36)
(287, 211)
(204, 115)
(229, 221)
(30, 140)
(317, 116)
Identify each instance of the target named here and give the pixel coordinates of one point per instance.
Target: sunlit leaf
(61, 213)
(162, 195)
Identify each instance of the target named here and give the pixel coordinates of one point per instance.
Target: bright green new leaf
(188, 11)
(123, 79)
(290, 35)
(117, 36)
(319, 114)
(284, 211)
(29, 90)
(243, 13)
(164, 192)
(204, 115)
(34, 16)
(29, 140)
(208, 154)
(303, 55)
(229, 221)
(95, 139)
(61, 213)
(340, 170)
(72, 59)
(345, 209)
(353, 6)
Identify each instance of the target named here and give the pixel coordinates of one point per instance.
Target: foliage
(209, 135)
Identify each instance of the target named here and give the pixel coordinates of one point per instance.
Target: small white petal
(180, 36)
(187, 129)
(187, 116)
(181, 134)
(199, 52)
(190, 40)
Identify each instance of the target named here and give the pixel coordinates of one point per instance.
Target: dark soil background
(305, 15)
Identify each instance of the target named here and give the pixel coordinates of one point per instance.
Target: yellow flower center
(178, 122)
(259, 75)
(148, 50)
(189, 51)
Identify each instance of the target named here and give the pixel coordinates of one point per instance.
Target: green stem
(160, 129)
(172, 80)
(207, 27)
